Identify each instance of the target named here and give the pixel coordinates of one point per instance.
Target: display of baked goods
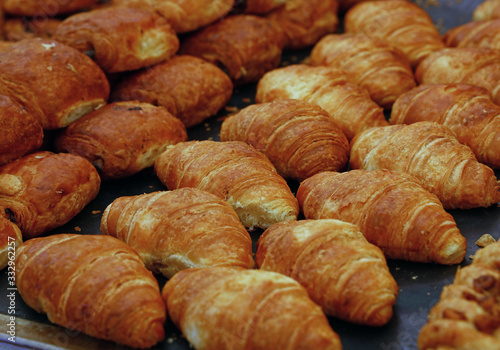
(205, 220)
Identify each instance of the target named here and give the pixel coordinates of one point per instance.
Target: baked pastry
(467, 315)
(16, 29)
(188, 87)
(243, 46)
(391, 209)
(474, 34)
(179, 229)
(120, 39)
(383, 70)
(234, 171)
(345, 5)
(260, 7)
(231, 308)
(304, 22)
(488, 9)
(466, 109)
(343, 273)
(52, 81)
(466, 65)
(402, 23)
(21, 132)
(122, 138)
(347, 103)
(430, 152)
(298, 137)
(10, 238)
(43, 190)
(44, 8)
(93, 284)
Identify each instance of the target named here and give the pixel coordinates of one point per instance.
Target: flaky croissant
(488, 9)
(467, 315)
(94, 284)
(392, 210)
(298, 137)
(348, 104)
(430, 152)
(234, 171)
(466, 109)
(377, 66)
(10, 238)
(179, 229)
(343, 273)
(474, 34)
(223, 308)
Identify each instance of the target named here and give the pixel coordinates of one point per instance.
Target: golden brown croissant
(42, 9)
(383, 70)
(348, 104)
(122, 138)
(400, 22)
(234, 171)
(466, 65)
(223, 308)
(298, 137)
(467, 315)
(488, 9)
(94, 284)
(474, 34)
(188, 87)
(43, 190)
(343, 273)
(430, 152)
(179, 229)
(10, 238)
(16, 29)
(392, 210)
(466, 109)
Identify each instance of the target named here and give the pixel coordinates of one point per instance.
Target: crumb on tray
(485, 240)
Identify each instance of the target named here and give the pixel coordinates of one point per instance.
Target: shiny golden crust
(188, 87)
(93, 284)
(244, 46)
(20, 132)
(230, 308)
(430, 152)
(393, 211)
(383, 70)
(304, 22)
(122, 138)
(465, 65)
(343, 273)
(16, 29)
(402, 23)
(260, 7)
(475, 34)
(234, 171)
(43, 190)
(121, 39)
(488, 9)
(466, 109)
(299, 138)
(44, 8)
(467, 315)
(61, 82)
(180, 229)
(10, 238)
(348, 104)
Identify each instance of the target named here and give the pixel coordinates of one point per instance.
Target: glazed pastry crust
(488, 9)
(188, 87)
(10, 238)
(343, 273)
(94, 284)
(44, 8)
(299, 138)
(122, 138)
(474, 34)
(393, 211)
(230, 308)
(43, 190)
(180, 229)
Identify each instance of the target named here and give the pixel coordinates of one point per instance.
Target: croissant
(299, 138)
(392, 210)
(487, 9)
(430, 152)
(43, 9)
(348, 104)
(345, 5)
(94, 284)
(234, 171)
(43, 190)
(343, 273)
(230, 308)
(474, 34)
(466, 65)
(10, 238)
(467, 315)
(179, 229)
(466, 109)
(383, 70)
(400, 22)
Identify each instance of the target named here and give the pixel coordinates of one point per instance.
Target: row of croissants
(385, 127)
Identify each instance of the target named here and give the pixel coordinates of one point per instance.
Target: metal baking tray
(420, 284)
